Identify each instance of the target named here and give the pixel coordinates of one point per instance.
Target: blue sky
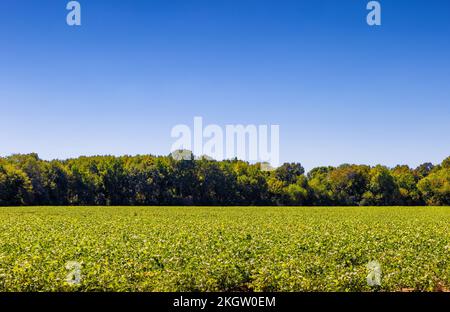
(340, 90)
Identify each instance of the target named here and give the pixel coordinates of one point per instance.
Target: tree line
(25, 179)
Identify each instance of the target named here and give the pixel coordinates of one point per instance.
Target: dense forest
(166, 180)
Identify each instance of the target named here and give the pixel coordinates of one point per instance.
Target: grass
(223, 249)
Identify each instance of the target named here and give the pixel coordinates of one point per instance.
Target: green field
(218, 249)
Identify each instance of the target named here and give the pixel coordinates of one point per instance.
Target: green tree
(435, 187)
(423, 170)
(318, 180)
(34, 168)
(348, 184)
(15, 187)
(298, 193)
(289, 172)
(406, 181)
(382, 189)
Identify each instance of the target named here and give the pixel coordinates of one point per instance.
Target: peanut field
(224, 249)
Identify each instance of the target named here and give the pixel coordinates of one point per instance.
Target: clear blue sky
(340, 90)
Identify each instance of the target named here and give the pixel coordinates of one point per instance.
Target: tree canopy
(168, 180)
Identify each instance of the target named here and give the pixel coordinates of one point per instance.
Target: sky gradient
(341, 91)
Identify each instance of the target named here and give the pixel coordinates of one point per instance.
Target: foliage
(223, 249)
(436, 187)
(184, 180)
